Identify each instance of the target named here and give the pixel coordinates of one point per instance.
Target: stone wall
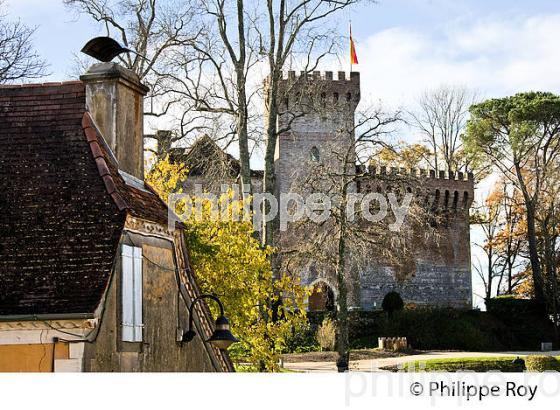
(316, 108)
(319, 112)
(441, 269)
(164, 313)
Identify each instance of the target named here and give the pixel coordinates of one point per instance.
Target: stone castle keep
(318, 117)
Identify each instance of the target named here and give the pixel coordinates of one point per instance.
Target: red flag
(353, 55)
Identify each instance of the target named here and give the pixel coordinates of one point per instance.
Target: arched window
(314, 154)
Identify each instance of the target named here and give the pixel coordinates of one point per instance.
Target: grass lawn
(473, 364)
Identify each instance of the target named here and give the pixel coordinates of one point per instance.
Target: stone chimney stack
(115, 100)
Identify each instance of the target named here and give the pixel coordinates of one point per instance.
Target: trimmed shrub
(526, 322)
(326, 335)
(392, 302)
(536, 363)
(446, 328)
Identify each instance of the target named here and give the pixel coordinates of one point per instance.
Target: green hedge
(452, 329)
(508, 325)
(510, 308)
(535, 363)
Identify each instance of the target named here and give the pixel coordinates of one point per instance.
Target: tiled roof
(142, 203)
(63, 203)
(204, 154)
(60, 228)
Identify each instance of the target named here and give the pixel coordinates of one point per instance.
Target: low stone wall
(392, 343)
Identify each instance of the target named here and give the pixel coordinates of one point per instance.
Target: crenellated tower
(316, 126)
(316, 122)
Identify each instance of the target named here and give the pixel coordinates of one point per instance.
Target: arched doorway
(322, 299)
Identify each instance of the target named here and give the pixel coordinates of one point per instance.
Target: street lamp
(222, 337)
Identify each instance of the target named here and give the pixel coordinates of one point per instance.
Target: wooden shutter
(138, 325)
(131, 294)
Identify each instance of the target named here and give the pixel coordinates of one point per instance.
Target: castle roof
(205, 154)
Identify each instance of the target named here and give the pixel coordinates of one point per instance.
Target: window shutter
(131, 294)
(138, 325)
(127, 293)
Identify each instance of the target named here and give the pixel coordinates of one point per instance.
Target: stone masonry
(319, 112)
(317, 116)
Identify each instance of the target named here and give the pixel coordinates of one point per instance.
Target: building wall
(439, 272)
(164, 312)
(31, 357)
(319, 112)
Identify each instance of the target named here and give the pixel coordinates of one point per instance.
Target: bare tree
(488, 218)
(221, 75)
(215, 68)
(18, 58)
(441, 118)
(294, 28)
(510, 240)
(153, 30)
(501, 221)
(343, 242)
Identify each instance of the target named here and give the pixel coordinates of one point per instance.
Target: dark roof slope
(59, 227)
(206, 158)
(140, 202)
(63, 203)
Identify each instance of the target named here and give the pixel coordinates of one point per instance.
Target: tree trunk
(342, 344)
(490, 276)
(342, 347)
(243, 135)
(271, 137)
(534, 253)
(531, 235)
(242, 115)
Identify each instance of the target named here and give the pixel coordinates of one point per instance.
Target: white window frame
(131, 295)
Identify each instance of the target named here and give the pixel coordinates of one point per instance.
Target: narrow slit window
(314, 154)
(132, 294)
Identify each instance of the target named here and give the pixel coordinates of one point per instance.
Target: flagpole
(350, 43)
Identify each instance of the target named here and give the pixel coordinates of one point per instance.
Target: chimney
(114, 98)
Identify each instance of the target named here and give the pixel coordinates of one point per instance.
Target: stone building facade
(317, 124)
(319, 116)
(92, 278)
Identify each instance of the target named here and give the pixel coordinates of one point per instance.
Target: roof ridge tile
(92, 135)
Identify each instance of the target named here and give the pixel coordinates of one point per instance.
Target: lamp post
(222, 337)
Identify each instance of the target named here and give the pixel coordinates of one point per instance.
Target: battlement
(342, 76)
(441, 190)
(320, 90)
(420, 173)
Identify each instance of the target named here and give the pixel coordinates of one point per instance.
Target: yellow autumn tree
(403, 155)
(230, 263)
